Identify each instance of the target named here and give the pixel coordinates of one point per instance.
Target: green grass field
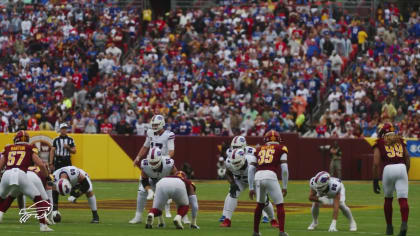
(367, 211)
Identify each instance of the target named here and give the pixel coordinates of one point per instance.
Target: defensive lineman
(328, 190)
(240, 157)
(271, 156)
(74, 181)
(153, 168)
(391, 151)
(163, 139)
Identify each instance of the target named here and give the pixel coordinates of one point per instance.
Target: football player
(390, 151)
(74, 181)
(239, 158)
(271, 156)
(327, 190)
(18, 157)
(163, 139)
(153, 168)
(182, 191)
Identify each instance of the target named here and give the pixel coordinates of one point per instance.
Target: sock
(141, 201)
(230, 206)
(155, 211)
(315, 212)
(50, 195)
(281, 216)
(404, 209)
(92, 203)
(269, 210)
(168, 207)
(388, 210)
(257, 217)
(40, 204)
(182, 210)
(346, 212)
(21, 201)
(5, 204)
(55, 200)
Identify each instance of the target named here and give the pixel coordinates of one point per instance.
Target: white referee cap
(64, 125)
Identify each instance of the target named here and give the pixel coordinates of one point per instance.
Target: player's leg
(268, 212)
(92, 201)
(261, 195)
(180, 197)
(315, 214)
(275, 193)
(346, 210)
(159, 202)
(141, 201)
(5, 205)
(401, 187)
(168, 209)
(231, 202)
(388, 185)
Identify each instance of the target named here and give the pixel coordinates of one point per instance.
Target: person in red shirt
(270, 157)
(391, 152)
(106, 127)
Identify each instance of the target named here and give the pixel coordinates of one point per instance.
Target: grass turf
(370, 219)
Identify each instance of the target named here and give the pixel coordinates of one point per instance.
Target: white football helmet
(154, 158)
(238, 159)
(63, 186)
(322, 180)
(157, 122)
(238, 142)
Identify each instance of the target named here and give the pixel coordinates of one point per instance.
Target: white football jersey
(167, 166)
(72, 172)
(334, 187)
(241, 174)
(165, 141)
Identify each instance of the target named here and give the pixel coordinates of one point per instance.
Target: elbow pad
(284, 175)
(84, 185)
(145, 182)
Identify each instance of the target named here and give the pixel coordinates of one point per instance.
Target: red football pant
(281, 216)
(5, 204)
(257, 216)
(155, 211)
(388, 210)
(404, 209)
(40, 203)
(182, 210)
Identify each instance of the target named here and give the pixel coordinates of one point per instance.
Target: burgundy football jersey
(391, 154)
(37, 171)
(19, 156)
(269, 155)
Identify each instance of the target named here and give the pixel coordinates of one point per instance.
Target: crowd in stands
(231, 69)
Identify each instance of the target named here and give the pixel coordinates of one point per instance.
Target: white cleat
(135, 220)
(150, 219)
(186, 220)
(353, 226)
(178, 222)
(45, 228)
(312, 226)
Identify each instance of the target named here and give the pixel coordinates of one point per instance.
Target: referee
(63, 147)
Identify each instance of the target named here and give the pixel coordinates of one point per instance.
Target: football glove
(233, 189)
(76, 191)
(376, 188)
(150, 194)
(333, 226)
(72, 199)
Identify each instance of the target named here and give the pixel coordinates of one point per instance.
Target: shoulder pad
(150, 133)
(250, 150)
(168, 161)
(251, 158)
(170, 134)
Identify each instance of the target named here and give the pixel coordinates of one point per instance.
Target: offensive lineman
(153, 168)
(182, 191)
(80, 183)
(157, 136)
(18, 157)
(391, 151)
(240, 157)
(328, 190)
(270, 156)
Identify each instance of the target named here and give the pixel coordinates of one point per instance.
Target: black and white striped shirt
(59, 143)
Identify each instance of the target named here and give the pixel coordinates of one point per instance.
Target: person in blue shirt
(184, 126)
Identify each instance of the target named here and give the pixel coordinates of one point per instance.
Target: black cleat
(403, 229)
(161, 225)
(149, 226)
(403, 233)
(389, 230)
(95, 220)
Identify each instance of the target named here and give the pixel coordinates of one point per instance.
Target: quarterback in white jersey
(239, 157)
(328, 190)
(154, 167)
(78, 181)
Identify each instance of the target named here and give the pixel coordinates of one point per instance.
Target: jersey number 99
(394, 151)
(265, 156)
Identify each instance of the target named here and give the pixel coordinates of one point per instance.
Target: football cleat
(95, 220)
(353, 226)
(312, 226)
(45, 228)
(161, 225)
(150, 219)
(226, 223)
(283, 234)
(274, 223)
(56, 216)
(222, 218)
(403, 229)
(178, 222)
(186, 220)
(265, 219)
(256, 234)
(136, 219)
(195, 227)
(389, 230)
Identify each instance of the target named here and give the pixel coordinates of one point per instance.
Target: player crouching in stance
(391, 151)
(182, 192)
(153, 168)
(271, 156)
(240, 158)
(74, 181)
(17, 158)
(328, 190)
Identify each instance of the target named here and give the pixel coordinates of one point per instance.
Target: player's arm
(71, 148)
(171, 146)
(2, 162)
(407, 159)
(145, 181)
(252, 168)
(51, 158)
(229, 177)
(313, 196)
(375, 169)
(284, 173)
(143, 151)
(336, 204)
(40, 164)
(192, 197)
(174, 170)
